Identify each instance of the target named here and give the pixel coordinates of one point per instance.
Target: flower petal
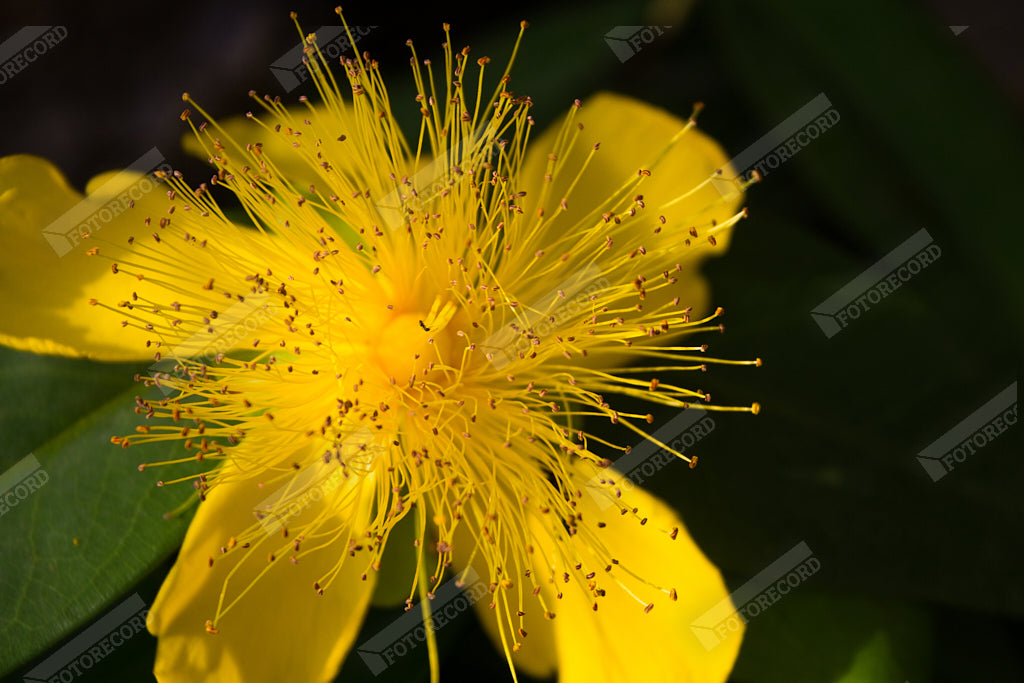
(619, 641)
(50, 277)
(632, 135)
(281, 630)
(47, 276)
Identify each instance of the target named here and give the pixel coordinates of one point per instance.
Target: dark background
(929, 137)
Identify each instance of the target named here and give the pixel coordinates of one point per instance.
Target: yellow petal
(47, 276)
(633, 135)
(280, 630)
(619, 642)
(63, 300)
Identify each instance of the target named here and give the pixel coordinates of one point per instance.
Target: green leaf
(831, 459)
(811, 636)
(132, 660)
(42, 395)
(94, 526)
(924, 130)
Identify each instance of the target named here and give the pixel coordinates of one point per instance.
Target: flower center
(421, 352)
(408, 349)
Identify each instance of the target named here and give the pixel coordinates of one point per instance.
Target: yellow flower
(424, 333)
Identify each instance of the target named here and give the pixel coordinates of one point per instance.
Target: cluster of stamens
(425, 343)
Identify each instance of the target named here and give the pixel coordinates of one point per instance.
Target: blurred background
(920, 579)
